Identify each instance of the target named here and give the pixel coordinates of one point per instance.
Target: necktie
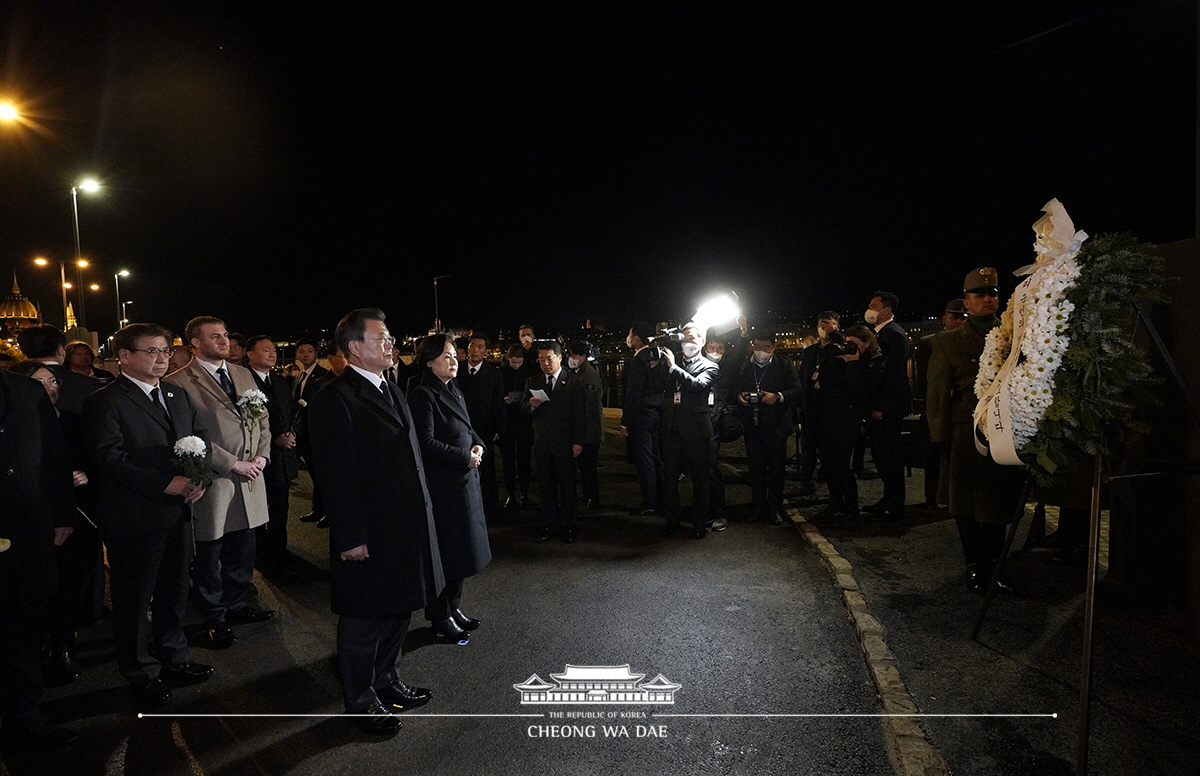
(226, 383)
(158, 405)
(267, 381)
(473, 370)
(549, 383)
(387, 394)
(391, 374)
(300, 384)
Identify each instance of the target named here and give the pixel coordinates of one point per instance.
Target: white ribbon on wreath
(1016, 377)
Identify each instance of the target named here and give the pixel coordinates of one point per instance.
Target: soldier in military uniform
(982, 493)
(954, 317)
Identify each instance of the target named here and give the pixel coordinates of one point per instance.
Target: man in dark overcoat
(36, 513)
(982, 494)
(482, 389)
(384, 558)
(272, 539)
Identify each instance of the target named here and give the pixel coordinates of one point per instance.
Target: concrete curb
(910, 752)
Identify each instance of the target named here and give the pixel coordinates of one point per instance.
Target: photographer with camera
(645, 389)
(687, 428)
(767, 388)
(848, 384)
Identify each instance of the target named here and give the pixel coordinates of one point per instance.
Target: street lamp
(91, 186)
(117, 283)
(41, 261)
(9, 112)
(437, 320)
(124, 316)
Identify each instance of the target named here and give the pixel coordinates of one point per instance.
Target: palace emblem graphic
(597, 684)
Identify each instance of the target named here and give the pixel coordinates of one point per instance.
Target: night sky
(277, 164)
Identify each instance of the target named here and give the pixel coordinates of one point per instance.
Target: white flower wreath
(1041, 305)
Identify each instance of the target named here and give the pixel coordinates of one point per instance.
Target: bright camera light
(90, 185)
(719, 312)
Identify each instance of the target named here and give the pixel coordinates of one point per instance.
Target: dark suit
(767, 427)
(645, 386)
(688, 436)
(371, 472)
(483, 393)
(303, 447)
(593, 420)
(516, 441)
(847, 392)
(558, 424)
(446, 438)
(272, 538)
(35, 498)
(895, 402)
(145, 531)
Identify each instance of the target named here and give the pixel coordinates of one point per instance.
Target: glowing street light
(117, 284)
(9, 112)
(90, 186)
(41, 261)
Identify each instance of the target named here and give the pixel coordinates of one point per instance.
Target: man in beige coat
(236, 501)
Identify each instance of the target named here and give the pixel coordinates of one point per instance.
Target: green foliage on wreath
(1104, 375)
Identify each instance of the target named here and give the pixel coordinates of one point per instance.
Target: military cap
(956, 307)
(982, 279)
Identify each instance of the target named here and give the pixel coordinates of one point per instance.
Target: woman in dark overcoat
(452, 452)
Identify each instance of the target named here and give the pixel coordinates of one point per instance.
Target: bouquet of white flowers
(191, 454)
(252, 404)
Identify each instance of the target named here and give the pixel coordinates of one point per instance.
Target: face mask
(715, 356)
(761, 357)
(629, 342)
(690, 349)
(871, 316)
(574, 362)
(526, 340)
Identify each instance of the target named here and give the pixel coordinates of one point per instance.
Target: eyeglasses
(385, 340)
(155, 352)
(49, 381)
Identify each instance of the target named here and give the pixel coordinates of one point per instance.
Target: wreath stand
(1099, 480)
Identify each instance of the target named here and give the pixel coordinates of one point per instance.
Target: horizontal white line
(1052, 716)
(334, 716)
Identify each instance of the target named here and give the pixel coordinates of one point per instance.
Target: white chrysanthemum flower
(190, 445)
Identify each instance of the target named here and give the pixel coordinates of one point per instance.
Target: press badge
(678, 396)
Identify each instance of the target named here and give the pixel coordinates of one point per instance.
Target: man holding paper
(556, 401)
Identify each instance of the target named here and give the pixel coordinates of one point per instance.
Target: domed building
(16, 312)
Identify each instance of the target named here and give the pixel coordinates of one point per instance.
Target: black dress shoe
(720, 524)
(450, 630)
(464, 621)
(37, 735)
(641, 511)
(187, 672)
(151, 695)
(776, 517)
(63, 668)
(698, 533)
(545, 535)
(402, 696)
(221, 636)
(323, 522)
(248, 615)
(378, 720)
(311, 517)
(568, 536)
